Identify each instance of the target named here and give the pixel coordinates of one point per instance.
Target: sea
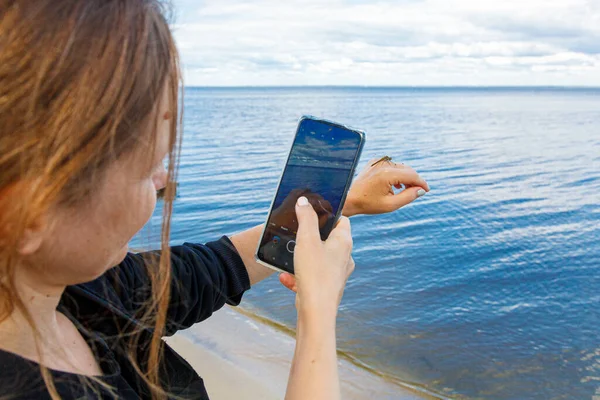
(487, 287)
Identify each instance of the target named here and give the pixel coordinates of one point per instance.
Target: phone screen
(320, 167)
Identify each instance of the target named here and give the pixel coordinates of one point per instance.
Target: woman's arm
(314, 373)
(322, 269)
(246, 243)
(203, 278)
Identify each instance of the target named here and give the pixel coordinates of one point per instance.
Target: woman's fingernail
(302, 201)
(421, 192)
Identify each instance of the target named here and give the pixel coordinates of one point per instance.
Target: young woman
(88, 113)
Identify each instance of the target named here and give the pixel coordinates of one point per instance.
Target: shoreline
(234, 345)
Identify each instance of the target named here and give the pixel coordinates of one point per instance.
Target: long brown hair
(79, 83)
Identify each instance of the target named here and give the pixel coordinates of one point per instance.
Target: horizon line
(396, 86)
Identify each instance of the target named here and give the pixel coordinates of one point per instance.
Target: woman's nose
(160, 179)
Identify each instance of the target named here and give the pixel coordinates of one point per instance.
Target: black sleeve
(204, 278)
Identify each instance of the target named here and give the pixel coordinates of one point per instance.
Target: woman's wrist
(315, 326)
(317, 314)
(349, 209)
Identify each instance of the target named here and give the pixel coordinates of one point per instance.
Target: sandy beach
(240, 357)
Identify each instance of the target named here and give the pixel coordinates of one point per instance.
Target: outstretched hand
(372, 191)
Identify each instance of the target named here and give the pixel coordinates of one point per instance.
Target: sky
(389, 43)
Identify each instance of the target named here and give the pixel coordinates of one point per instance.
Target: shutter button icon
(290, 246)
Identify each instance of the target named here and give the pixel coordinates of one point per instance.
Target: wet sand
(240, 357)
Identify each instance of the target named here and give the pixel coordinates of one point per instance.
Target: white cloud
(394, 42)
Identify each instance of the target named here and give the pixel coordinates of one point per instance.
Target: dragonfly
(384, 158)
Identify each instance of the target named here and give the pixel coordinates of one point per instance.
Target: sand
(239, 357)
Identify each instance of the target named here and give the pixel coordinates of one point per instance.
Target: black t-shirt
(28, 383)
(106, 312)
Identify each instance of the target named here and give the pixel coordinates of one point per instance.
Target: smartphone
(320, 166)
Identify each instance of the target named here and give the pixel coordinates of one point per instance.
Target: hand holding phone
(321, 267)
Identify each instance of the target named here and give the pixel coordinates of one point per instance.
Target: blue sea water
(489, 285)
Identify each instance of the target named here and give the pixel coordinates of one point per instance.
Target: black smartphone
(320, 167)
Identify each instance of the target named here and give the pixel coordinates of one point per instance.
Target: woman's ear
(33, 237)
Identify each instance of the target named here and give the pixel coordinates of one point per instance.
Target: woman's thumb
(308, 222)
(405, 197)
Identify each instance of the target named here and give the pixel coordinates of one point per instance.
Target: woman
(88, 113)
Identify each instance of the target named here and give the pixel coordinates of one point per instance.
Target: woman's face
(84, 241)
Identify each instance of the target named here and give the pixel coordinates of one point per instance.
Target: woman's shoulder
(20, 377)
(12, 364)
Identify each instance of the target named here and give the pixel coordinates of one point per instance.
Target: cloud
(394, 42)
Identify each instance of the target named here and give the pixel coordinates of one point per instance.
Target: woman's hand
(372, 192)
(321, 268)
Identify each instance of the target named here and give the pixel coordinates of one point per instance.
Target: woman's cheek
(140, 207)
(145, 204)
(151, 196)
